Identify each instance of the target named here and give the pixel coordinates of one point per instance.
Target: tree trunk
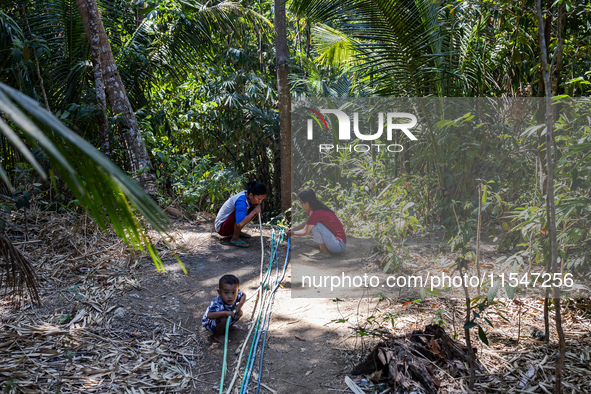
(102, 119)
(34, 51)
(470, 350)
(99, 84)
(139, 15)
(139, 161)
(560, 47)
(406, 160)
(282, 62)
(550, 203)
(547, 28)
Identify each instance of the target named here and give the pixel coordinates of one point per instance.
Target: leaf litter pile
(77, 340)
(416, 356)
(429, 360)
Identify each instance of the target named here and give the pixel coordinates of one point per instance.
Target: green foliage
(529, 228)
(459, 241)
(11, 384)
(439, 318)
(408, 48)
(479, 317)
(369, 204)
(204, 184)
(155, 59)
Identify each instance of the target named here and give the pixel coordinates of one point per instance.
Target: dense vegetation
(202, 82)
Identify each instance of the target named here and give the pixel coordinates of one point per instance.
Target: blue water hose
(268, 321)
(254, 345)
(266, 304)
(263, 282)
(264, 327)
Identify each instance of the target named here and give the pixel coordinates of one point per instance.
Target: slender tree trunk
(544, 178)
(36, 59)
(282, 61)
(139, 16)
(478, 230)
(547, 31)
(94, 38)
(260, 34)
(471, 356)
(550, 203)
(560, 48)
(261, 57)
(102, 118)
(406, 158)
(139, 161)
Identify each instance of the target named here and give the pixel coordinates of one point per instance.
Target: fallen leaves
(74, 343)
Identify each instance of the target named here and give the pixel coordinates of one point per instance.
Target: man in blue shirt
(238, 211)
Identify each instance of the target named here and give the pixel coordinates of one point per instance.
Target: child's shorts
(210, 324)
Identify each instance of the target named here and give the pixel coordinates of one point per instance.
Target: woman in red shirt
(326, 228)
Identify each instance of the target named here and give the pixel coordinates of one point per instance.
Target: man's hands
(256, 210)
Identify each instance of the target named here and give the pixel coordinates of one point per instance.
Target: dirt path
(311, 344)
(111, 323)
(307, 349)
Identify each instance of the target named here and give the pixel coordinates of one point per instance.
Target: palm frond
(9, 32)
(103, 189)
(16, 272)
(334, 47)
(408, 47)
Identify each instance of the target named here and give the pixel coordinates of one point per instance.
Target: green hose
(228, 320)
(264, 284)
(256, 329)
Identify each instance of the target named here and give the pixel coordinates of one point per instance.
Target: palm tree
(166, 42)
(409, 48)
(108, 80)
(406, 48)
(282, 63)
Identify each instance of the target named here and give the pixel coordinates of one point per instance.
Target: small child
(228, 303)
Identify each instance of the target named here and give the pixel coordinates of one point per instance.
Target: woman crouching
(326, 228)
